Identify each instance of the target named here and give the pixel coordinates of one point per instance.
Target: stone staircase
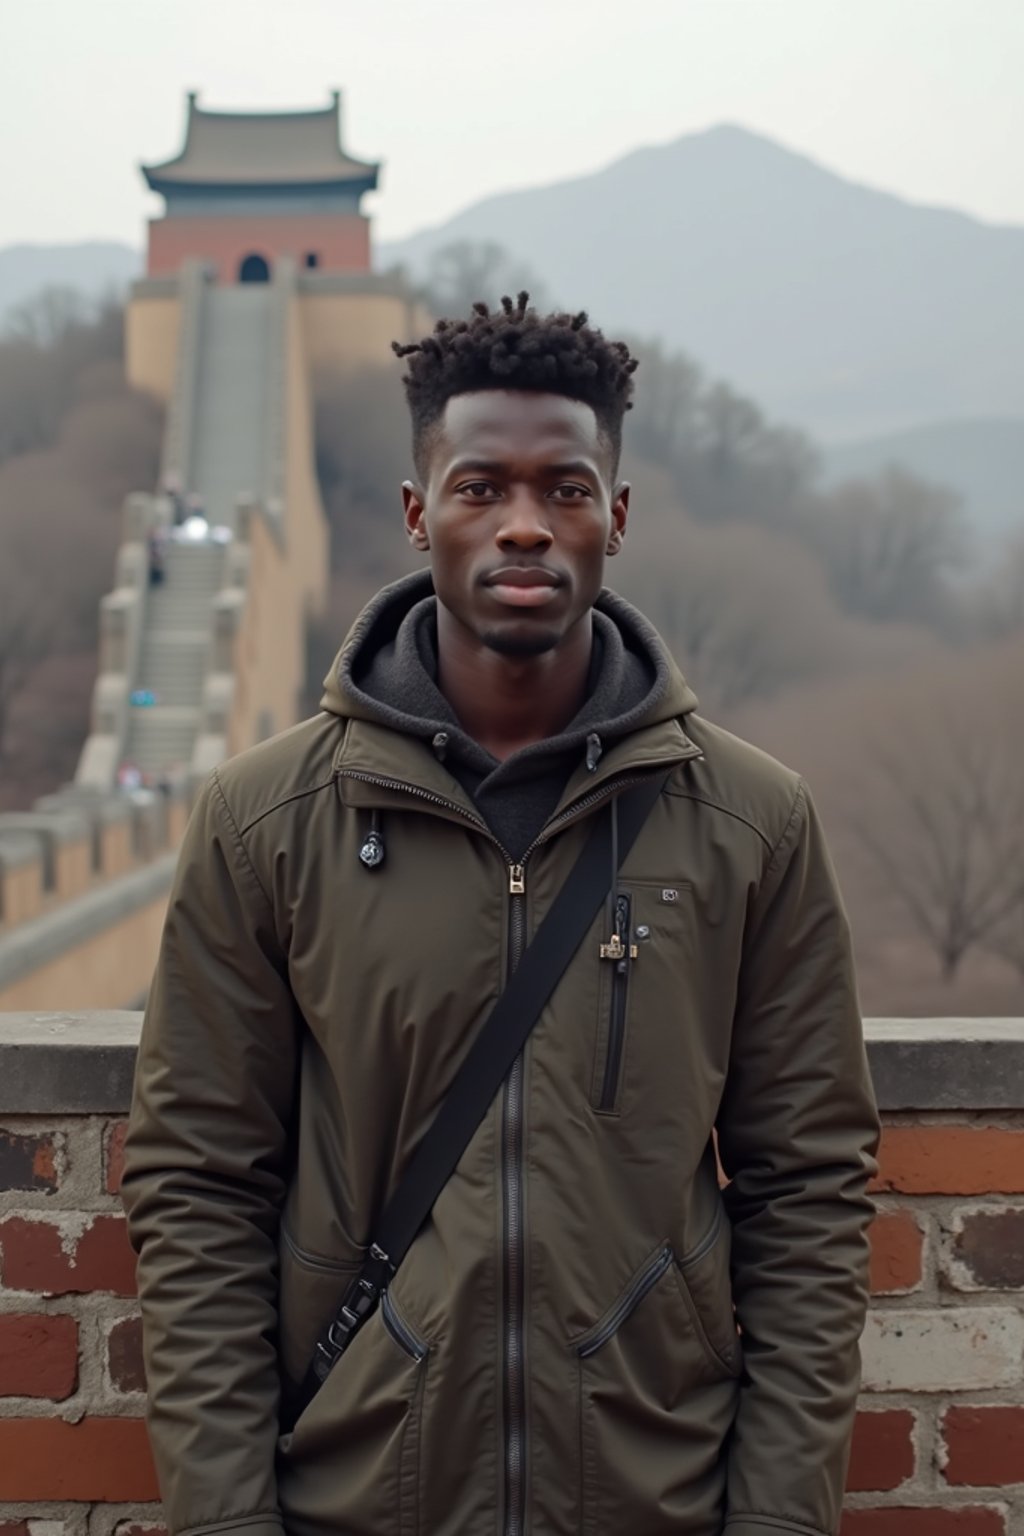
(165, 711)
(229, 442)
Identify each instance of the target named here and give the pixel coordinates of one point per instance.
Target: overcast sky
(460, 98)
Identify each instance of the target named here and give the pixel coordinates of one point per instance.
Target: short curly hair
(517, 348)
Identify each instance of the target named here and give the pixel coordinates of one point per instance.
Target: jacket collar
(378, 767)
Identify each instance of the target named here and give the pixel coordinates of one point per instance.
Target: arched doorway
(254, 269)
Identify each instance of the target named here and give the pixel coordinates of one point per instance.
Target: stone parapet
(65, 840)
(21, 876)
(939, 1443)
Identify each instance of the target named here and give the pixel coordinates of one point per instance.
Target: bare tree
(47, 317)
(940, 817)
(999, 600)
(463, 271)
(889, 544)
(50, 345)
(24, 641)
(745, 611)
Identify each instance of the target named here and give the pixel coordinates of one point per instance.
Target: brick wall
(73, 1450)
(939, 1444)
(942, 1412)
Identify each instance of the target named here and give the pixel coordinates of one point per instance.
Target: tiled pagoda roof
(261, 149)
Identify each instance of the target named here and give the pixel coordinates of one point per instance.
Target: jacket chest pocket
(643, 960)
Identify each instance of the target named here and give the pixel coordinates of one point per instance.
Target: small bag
(488, 1063)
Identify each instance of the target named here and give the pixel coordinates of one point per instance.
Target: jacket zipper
(513, 1239)
(617, 1009)
(400, 1331)
(512, 1134)
(645, 1281)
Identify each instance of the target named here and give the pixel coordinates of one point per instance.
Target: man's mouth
(523, 586)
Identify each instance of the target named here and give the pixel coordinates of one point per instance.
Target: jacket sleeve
(204, 1182)
(797, 1133)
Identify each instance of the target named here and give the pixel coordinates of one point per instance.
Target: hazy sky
(464, 97)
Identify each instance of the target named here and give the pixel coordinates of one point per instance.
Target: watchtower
(251, 187)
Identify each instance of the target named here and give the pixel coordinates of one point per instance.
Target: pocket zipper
(645, 1281)
(707, 1241)
(400, 1331)
(617, 1010)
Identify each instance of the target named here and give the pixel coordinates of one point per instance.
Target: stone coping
(27, 946)
(18, 848)
(100, 808)
(321, 282)
(82, 1063)
(947, 1063)
(69, 824)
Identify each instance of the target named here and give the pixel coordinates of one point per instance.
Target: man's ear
(620, 516)
(413, 503)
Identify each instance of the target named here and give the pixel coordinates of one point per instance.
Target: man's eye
(571, 492)
(477, 489)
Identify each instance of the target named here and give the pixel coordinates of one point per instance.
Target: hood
(386, 672)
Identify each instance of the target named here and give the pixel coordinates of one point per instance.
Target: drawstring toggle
(594, 751)
(372, 851)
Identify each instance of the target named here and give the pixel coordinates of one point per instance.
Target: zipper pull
(615, 949)
(517, 880)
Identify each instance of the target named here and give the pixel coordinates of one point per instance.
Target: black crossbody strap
(488, 1063)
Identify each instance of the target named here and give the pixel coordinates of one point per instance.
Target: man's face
(518, 514)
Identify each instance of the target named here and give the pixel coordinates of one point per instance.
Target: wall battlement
(939, 1444)
(84, 879)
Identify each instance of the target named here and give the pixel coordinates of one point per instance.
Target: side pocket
(643, 1281)
(653, 1412)
(402, 1332)
(311, 1289)
(705, 1286)
(352, 1462)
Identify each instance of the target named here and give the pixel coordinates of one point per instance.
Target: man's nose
(524, 524)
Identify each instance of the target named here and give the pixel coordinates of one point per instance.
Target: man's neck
(508, 702)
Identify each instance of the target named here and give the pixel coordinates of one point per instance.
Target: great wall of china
(259, 278)
(258, 282)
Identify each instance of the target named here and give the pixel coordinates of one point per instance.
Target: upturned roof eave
(356, 181)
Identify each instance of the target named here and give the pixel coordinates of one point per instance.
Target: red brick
(882, 1455)
(990, 1245)
(114, 1155)
(124, 1355)
(136, 1528)
(38, 1355)
(14, 1528)
(951, 1160)
(985, 1446)
(96, 1460)
(897, 1252)
(57, 1259)
(29, 1162)
(982, 1520)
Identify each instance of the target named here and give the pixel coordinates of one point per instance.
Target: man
(586, 1335)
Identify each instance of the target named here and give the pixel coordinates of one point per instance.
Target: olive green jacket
(589, 1334)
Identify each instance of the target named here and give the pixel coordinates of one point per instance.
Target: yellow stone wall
(117, 856)
(22, 892)
(107, 971)
(269, 657)
(151, 342)
(72, 870)
(307, 532)
(353, 330)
